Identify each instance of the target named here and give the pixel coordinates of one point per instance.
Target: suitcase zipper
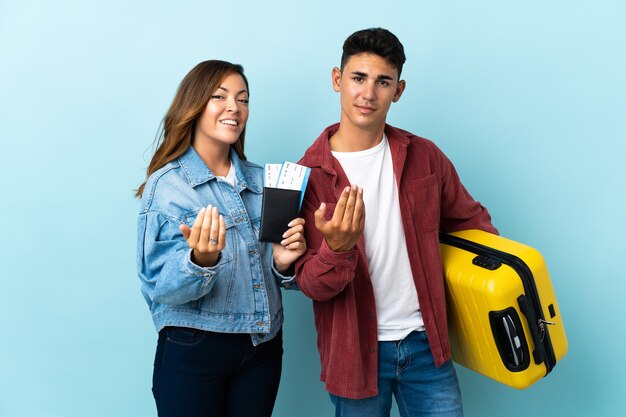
(529, 304)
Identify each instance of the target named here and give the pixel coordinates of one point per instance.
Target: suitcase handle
(533, 324)
(508, 334)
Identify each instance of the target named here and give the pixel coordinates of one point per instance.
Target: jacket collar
(319, 155)
(197, 172)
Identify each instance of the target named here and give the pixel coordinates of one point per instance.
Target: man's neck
(352, 139)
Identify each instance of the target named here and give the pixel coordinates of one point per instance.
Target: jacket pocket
(424, 200)
(233, 293)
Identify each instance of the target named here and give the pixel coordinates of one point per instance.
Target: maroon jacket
(432, 198)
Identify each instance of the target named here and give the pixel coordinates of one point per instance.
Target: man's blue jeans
(406, 370)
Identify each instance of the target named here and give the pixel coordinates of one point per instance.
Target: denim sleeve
(168, 276)
(285, 281)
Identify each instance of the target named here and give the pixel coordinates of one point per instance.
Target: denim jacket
(240, 294)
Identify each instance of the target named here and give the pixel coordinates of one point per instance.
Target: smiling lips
(229, 122)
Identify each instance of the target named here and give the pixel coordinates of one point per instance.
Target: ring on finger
(212, 241)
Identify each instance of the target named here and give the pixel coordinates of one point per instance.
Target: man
(376, 279)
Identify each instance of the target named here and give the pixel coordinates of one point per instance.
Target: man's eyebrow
(380, 77)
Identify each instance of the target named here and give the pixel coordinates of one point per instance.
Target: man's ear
(399, 90)
(336, 77)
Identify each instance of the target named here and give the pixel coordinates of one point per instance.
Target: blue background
(527, 98)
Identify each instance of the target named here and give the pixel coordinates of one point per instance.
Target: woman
(212, 287)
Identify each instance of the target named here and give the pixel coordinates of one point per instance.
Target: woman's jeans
(199, 373)
(406, 370)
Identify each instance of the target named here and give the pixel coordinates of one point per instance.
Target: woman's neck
(217, 158)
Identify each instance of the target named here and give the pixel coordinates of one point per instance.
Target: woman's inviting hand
(207, 236)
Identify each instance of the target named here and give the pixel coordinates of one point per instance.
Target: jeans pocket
(184, 336)
(184, 351)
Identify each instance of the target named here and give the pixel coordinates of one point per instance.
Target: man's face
(368, 85)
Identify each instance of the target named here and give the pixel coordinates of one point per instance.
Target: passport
(279, 207)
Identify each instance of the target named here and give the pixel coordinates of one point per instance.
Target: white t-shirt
(397, 306)
(230, 177)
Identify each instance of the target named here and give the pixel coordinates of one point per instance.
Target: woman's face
(226, 113)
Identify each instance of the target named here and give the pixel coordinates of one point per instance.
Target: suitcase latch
(542, 326)
(486, 262)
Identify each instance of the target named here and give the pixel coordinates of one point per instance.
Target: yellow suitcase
(503, 316)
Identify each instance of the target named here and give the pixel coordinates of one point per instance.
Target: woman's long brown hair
(190, 100)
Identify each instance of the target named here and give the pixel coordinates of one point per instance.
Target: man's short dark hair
(376, 41)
